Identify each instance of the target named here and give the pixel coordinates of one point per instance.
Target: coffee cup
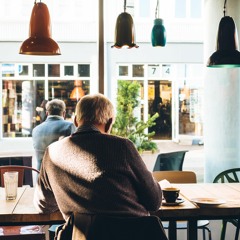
(170, 194)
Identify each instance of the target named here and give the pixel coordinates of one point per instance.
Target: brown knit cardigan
(91, 172)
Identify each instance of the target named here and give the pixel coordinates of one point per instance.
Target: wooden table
(230, 192)
(21, 211)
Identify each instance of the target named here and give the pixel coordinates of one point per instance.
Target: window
(83, 70)
(68, 71)
(138, 71)
(38, 70)
(26, 86)
(54, 70)
(19, 101)
(188, 9)
(70, 91)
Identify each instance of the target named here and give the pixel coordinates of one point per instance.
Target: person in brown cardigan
(94, 172)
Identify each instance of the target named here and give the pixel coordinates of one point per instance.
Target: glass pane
(69, 91)
(144, 8)
(159, 101)
(23, 70)
(8, 70)
(123, 70)
(54, 70)
(84, 70)
(196, 9)
(38, 70)
(153, 70)
(19, 101)
(68, 71)
(138, 71)
(180, 8)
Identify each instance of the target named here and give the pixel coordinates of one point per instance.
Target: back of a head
(94, 109)
(56, 107)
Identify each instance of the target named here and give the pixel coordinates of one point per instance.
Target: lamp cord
(224, 8)
(156, 11)
(125, 5)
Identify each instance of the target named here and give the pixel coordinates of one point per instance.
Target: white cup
(11, 185)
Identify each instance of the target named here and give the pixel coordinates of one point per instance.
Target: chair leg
(223, 231)
(237, 230)
(203, 231)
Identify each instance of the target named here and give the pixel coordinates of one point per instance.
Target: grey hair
(94, 109)
(56, 107)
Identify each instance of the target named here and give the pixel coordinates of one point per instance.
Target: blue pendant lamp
(227, 54)
(124, 31)
(158, 31)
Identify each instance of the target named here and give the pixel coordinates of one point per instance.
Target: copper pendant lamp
(227, 54)
(78, 92)
(40, 40)
(158, 35)
(124, 31)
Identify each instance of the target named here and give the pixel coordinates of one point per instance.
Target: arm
(148, 189)
(44, 200)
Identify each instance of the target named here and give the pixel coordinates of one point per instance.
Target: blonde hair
(94, 109)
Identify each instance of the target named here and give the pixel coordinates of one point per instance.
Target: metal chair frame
(170, 161)
(231, 176)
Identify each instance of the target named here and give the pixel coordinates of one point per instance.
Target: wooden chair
(231, 176)
(20, 232)
(19, 161)
(170, 161)
(107, 227)
(21, 173)
(182, 177)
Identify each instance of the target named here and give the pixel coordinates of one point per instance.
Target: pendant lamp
(78, 91)
(227, 54)
(158, 31)
(124, 31)
(40, 40)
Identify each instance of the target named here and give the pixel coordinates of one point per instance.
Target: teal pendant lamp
(158, 31)
(227, 54)
(124, 31)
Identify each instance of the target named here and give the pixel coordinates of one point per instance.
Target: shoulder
(121, 140)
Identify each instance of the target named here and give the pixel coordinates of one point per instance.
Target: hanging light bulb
(227, 54)
(40, 40)
(124, 31)
(158, 31)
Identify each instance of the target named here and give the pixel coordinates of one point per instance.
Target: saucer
(208, 202)
(178, 202)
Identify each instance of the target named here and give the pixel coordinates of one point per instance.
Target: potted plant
(127, 124)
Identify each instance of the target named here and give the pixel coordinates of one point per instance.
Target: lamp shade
(124, 31)
(158, 33)
(227, 54)
(40, 40)
(78, 91)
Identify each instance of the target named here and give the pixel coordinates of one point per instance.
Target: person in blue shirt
(52, 129)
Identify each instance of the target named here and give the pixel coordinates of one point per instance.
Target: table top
(229, 192)
(22, 211)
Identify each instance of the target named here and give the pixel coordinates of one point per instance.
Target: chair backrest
(19, 169)
(118, 228)
(175, 176)
(230, 175)
(170, 161)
